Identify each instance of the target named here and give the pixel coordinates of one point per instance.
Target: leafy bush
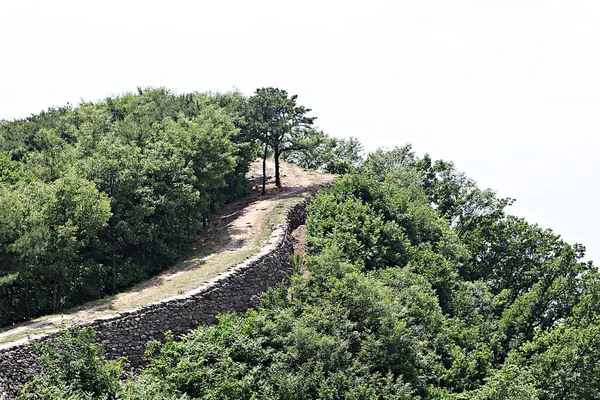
(72, 368)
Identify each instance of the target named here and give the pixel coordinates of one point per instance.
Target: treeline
(419, 285)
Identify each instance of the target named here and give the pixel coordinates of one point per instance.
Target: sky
(508, 90)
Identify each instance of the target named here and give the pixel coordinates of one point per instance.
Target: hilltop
(411, 281)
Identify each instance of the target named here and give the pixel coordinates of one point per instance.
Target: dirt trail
(238, 227)
(234, 235)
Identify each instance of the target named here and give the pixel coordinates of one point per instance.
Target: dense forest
(98, 197)
(101, 196)
(416, 284)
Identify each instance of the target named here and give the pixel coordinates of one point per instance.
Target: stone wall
(127, 333)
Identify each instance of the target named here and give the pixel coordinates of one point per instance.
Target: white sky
(508, 90)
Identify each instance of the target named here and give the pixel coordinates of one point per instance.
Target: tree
(10, 171)
(328, 154)
(278, 122)
(73, 213)
(346, 154)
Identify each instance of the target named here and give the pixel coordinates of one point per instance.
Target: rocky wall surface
(127, 333)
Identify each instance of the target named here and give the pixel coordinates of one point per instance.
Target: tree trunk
(27, 309)
(59, 295)
(114, 277)
(264, 177)
(55, 294)
(276, 155)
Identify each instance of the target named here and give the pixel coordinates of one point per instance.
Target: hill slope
(236, 233)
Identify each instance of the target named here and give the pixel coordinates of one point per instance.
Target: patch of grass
(38, 326)
(18, 336)
(192, 261)
(91, 304)
(279, 214)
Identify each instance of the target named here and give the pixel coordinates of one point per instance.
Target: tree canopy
(278, 122)
(417, 284)
(98, 197)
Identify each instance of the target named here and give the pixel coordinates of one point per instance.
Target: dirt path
(237, 233)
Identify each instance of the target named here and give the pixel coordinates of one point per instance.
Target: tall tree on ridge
(277, 122)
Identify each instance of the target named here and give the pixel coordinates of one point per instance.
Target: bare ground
(234, 235)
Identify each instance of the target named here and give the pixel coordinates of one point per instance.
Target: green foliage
(71, 367)
(328, 154)
(48, 231)
(103, 195)
(418, 286)
(277, 121)
(11, 171)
